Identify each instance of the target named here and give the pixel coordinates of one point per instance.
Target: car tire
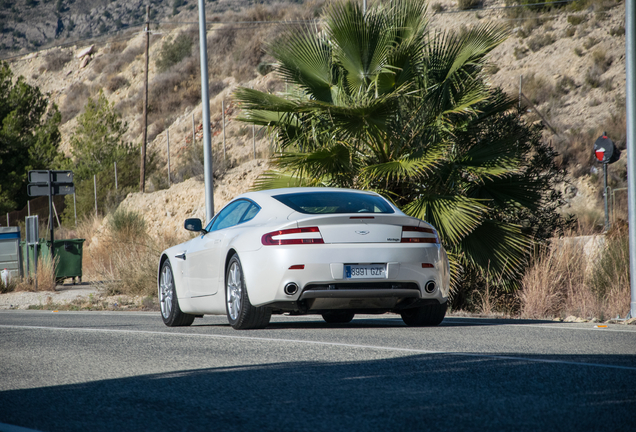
(425, 316)
(240, 312)
(171, 313)
(338, 317)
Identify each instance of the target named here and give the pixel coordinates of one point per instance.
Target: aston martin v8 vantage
(327, 251)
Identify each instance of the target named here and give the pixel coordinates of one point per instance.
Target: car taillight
(293, 236)
(414, 234)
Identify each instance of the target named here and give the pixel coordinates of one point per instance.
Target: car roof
(284, 191)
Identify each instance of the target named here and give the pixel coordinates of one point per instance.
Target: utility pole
(630, 102)
(142, 169)
(205, 117)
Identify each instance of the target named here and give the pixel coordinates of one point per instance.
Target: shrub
(57, 59)
(127, 225)
(539, 41)
(264, 68)
(115, 82)
(590, 42)
(601, 60)
(576, 19)
(617, 31)
(76, 97)
(578, 51)
(593, 77)
(565, 85)
(537, 89)
(570, 31)
(466, 4)
(172, 52)
(491, 69)
(437, 7)
(519, 52)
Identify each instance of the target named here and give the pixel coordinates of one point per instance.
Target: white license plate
(365, 271)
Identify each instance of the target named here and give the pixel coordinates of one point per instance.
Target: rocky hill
(570, 61)
(28, 25)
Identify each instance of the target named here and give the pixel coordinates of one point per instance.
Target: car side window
(235, 213)
(250, 213)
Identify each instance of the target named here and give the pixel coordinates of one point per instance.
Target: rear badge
(393, 239)
(362, 232)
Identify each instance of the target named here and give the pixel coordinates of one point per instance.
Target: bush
(264, 68)
(590, 42)
(576, 19)
(172, 52)
(125, 224)
(539, 41)
(537, 89)
(565, 85)
(437, 7)
(76, 97)
(601, 60)
(57, 59)
(467, 4)
(115, 82)
(617, 31)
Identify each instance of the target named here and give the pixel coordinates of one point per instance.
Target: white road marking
(335, 344)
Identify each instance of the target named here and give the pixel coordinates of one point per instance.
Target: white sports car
(334, 252)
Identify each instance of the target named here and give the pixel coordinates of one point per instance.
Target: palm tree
(379, 102)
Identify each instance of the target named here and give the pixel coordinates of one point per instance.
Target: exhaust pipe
(291, 288)
(429, 287)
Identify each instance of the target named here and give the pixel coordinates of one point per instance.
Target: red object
(297, 267)
(427, 265)
(418, 239)
(600, 154)
(268, 239)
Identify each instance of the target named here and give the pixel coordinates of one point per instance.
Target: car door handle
(180, 256)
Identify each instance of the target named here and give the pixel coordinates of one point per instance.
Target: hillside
(27, 25)
(571, 60)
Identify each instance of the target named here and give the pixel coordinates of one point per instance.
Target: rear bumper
(267, 271)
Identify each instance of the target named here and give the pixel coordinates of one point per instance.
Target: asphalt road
(94, 371)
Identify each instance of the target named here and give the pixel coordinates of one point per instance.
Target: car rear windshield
(335, 202)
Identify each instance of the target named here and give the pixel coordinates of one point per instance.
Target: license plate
(365, 271)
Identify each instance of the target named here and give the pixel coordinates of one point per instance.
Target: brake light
(413, 234)
(293, 236)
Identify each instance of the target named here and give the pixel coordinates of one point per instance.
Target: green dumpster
(69, 255)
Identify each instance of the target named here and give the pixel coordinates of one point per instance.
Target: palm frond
(304, 58)
(274, 179)
(454, 216)
(497, 247)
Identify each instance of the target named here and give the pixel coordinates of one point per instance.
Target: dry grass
(124, 258)
(571, 278)
(45, 277)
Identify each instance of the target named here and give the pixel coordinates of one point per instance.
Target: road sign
(42, 176)
(605, 150)
(42, 189)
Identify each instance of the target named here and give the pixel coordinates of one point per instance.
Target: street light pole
(630, 102)
(205, 117)
(142, 168)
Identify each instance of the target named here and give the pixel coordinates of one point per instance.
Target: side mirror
(193, 224)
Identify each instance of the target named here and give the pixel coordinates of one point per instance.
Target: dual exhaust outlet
(291, 288)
